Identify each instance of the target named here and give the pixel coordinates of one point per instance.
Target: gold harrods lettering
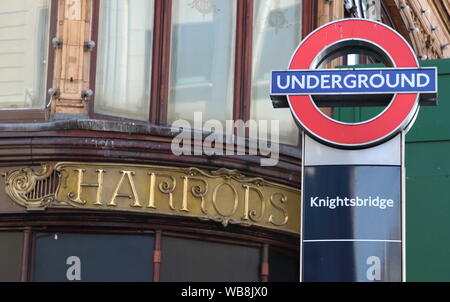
(223, 195)
(224, 199)
(76, 196)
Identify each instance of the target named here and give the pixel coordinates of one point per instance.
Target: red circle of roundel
(395, 117)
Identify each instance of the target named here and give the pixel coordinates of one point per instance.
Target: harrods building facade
(91, 189)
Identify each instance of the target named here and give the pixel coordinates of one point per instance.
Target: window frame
(24, 115)
(160, 73)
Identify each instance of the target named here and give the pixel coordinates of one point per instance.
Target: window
(124, 58)
(202, 59)
(160, 61)
(192, 260)
(100, 257)
(277, 32)
(24, 27)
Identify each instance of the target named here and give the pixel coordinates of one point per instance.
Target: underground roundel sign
(402, 80)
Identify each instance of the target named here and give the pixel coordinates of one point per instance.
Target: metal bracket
(57, 42)
(89, 45)
(87, 94)
(54, 93)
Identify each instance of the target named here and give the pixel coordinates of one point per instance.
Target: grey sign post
(353, 213)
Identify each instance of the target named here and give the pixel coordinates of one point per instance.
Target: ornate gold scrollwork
(227, 174)
(225, 196)
(20, 183)
(225, 221)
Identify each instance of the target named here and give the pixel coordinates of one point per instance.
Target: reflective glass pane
(24, 26)
(276, 35)
(86, 257)
(202, 59)
(124, 58)
(11, 246)
(193, 260)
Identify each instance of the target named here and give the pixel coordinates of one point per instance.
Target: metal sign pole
(352, 212)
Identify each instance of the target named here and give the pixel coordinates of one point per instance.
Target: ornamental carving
(31, 188)
(224, 196)
(427, 25)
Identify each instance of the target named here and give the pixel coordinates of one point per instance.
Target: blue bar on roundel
(354, 81)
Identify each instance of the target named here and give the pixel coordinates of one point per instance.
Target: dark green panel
(11, 246)
(356, 114)
(193, 260)
(428, 211)
(433, 122)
